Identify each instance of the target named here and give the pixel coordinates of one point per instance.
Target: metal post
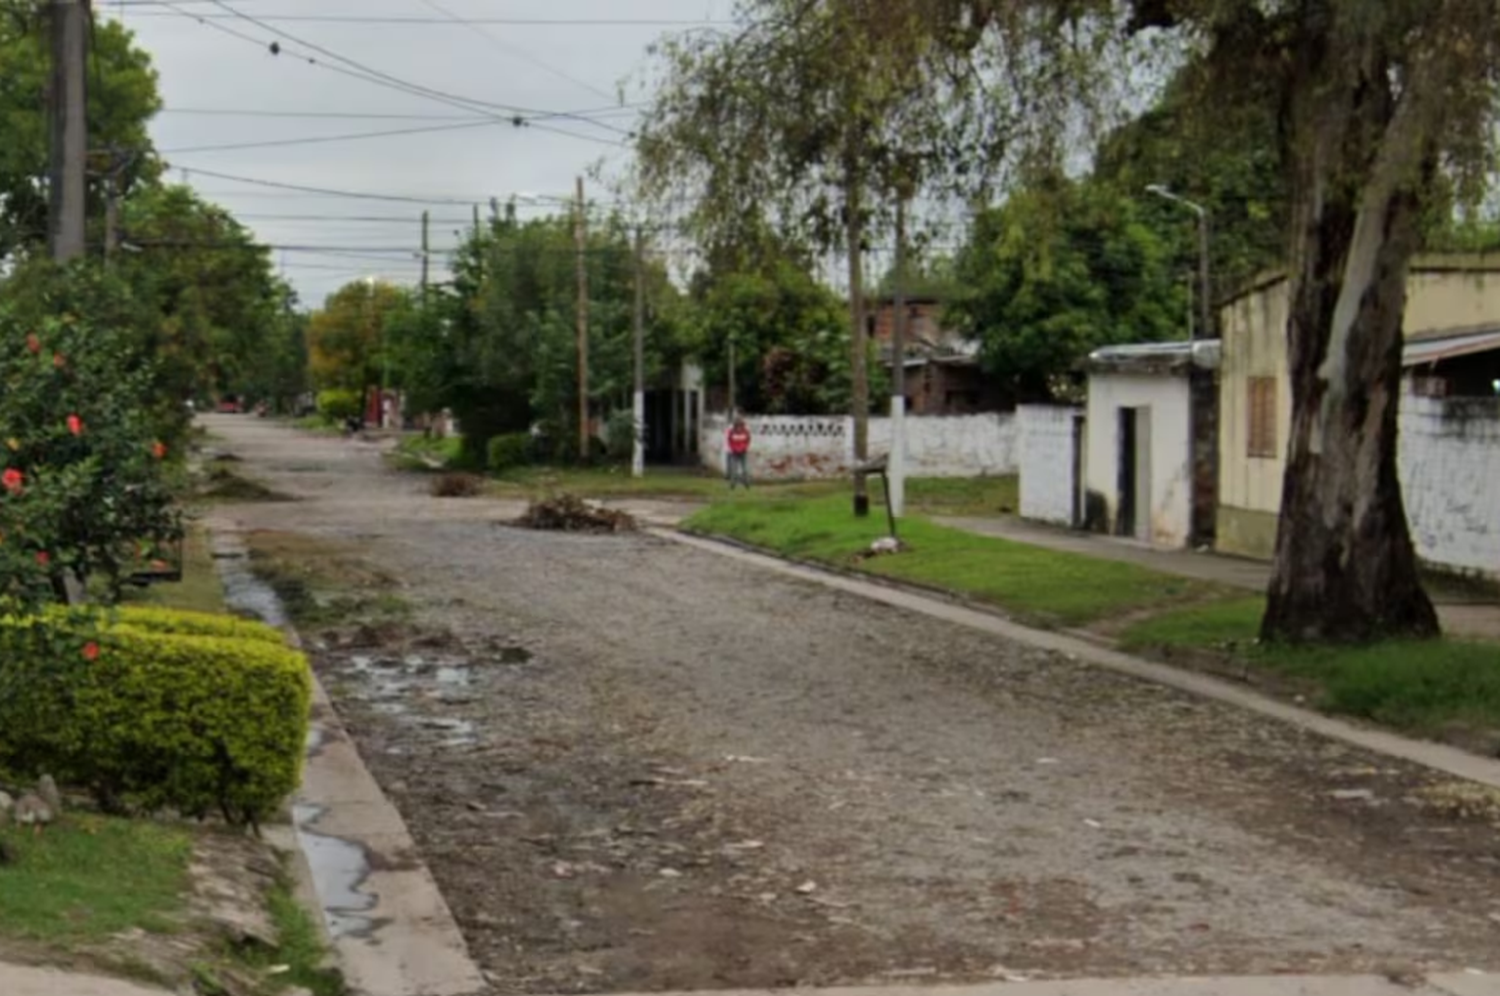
(1205, 288)
(638, 410)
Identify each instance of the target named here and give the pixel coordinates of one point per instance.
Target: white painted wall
(1047, 462)
(954, 445)
(1450, 475)
(804, 446)
(1166, 517)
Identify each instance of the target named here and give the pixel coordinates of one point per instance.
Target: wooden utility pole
(580, 231)
(68, 132)
(896, 469)
(638, 409)
(426, 224)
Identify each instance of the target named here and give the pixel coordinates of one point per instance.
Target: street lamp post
(1205, 294)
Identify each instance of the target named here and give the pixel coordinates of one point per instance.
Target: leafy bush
(152, 719)
(154, 619)
(619, 436)
(339, 404)
(82, 461)
(508, 452)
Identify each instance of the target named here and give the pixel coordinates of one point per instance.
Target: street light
(1205, 296)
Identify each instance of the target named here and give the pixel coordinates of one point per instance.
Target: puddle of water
(454, 677)
(339, 869)
(248, 595)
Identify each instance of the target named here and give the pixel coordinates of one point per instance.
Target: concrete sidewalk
(1460, 617)
(19, 980)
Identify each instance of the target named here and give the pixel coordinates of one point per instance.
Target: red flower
(12, 480)
(59, 360)
(43, 557)
(91, 651)
(75, 425)
(159, 449)
(33, 344)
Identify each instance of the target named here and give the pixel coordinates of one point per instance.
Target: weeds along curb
(959, 611)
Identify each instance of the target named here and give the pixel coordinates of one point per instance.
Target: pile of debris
(571, 514)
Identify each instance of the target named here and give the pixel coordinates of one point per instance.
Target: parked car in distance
(229, 406)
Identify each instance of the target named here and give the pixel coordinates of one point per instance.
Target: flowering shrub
(82, 479)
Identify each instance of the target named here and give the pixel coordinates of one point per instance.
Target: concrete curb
(1437, 757)
(357, 867)
(1277, 985)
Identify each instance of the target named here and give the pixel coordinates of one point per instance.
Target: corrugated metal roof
(1435, 348)
(1157, 355)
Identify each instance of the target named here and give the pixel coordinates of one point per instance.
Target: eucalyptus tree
(812, 118)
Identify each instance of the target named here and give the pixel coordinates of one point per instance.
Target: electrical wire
(322, 139)
(520, 53)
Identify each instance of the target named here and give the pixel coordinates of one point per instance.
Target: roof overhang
(1434, 347)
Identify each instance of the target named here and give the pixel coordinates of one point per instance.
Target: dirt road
(634, 766)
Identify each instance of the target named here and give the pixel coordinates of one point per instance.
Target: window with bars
(1262, 435)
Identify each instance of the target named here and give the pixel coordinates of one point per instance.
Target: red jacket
(739, 440)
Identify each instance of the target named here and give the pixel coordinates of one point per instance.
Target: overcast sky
(572, 57)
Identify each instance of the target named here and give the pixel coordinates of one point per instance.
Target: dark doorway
(1125, 500)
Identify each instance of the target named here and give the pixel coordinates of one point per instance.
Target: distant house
(943, 376)
(1450, 413)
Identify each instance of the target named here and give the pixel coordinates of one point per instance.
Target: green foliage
(1045, 587)
(619, 436)
(122, 99)
(152, 719)
(1428, 687)
(506, 357)
(508, 452)
(347, 339)
(93, 878)
(82, 459)
(340, 403)
(1059, 270)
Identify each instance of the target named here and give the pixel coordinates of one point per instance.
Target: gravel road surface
(634, 766)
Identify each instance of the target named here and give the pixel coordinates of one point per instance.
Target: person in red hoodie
(738, 465)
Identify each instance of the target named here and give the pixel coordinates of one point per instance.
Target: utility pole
(580, 232)
(733, 359)
(896, 469)
(638, 410)
(1205, 287)
(858, 341)
(426, 223)
(68, 173)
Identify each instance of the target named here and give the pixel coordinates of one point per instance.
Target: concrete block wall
(1450, 476)
(1048, 462)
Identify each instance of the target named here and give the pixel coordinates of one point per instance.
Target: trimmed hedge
(149, 719)
(152, 619)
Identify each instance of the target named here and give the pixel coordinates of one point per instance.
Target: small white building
(1150, 469)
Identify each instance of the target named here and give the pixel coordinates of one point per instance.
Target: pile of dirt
(571, 514)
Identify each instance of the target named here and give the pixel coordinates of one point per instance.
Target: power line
(321, 139)
(514, 50)
(541, 22)
(611, 111)
(359, 70)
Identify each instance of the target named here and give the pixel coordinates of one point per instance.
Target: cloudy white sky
(223, 86)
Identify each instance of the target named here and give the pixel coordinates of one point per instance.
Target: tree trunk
(1345, 568)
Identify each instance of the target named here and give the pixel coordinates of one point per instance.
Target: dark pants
(737, 469)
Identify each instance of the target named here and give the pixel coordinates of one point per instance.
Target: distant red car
(229, 406)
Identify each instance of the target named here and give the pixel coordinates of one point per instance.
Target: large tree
(1062, 268)
(815, 117)
(1383, 109)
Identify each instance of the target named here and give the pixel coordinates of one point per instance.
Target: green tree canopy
(122, 99)
(1062, 268)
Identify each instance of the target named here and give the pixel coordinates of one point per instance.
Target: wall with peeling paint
(1049, 439)
(1165, 513)
(1450, 477)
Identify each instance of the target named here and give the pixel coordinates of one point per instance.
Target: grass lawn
(1043, 586)
(90, 877)
(1429, 687)
(199, 590)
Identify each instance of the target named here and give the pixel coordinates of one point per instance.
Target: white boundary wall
(1450, 477)
(796, 447)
